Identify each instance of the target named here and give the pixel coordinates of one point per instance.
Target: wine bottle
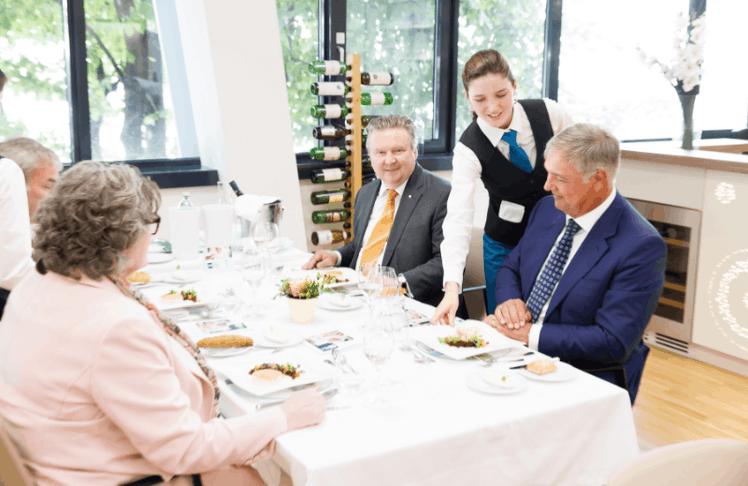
(349, 139)
(365, 163)
(376, 79)
(330, 216)
(327, 68)
(364, 180)
(328, 153)
(330, 196)
(347, 226)
(330, 89)
(376, 99)
(329, 111)
(235, 188)
(329, 237)
(329, 175)
(364, 120)
(330, 132)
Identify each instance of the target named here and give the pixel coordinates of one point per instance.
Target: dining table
(444, 425)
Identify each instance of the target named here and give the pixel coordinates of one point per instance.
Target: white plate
(348, 273)
(436, 354)
(477, 382)
(312, 372)
(225, 352)
(159, 257)
(293, 339)
(283, 394)
(185, 304)
(564, 372)
(338, 302)
(429, 335)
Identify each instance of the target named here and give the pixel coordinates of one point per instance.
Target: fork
(418, 357)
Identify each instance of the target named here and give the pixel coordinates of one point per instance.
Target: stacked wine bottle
(357, 170)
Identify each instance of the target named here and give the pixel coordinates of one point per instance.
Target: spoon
(340, 358)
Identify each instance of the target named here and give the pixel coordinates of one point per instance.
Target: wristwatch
(404, 284)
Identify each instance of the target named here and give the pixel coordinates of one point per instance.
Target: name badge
(512, 212)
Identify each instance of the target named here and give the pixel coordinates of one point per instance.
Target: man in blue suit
(588, 272)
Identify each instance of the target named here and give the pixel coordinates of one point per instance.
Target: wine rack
(352, 133)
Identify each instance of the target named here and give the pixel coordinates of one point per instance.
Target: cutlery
(555, 360)
(340, 358)
(338, 407)
(326, 395)
(417, 355)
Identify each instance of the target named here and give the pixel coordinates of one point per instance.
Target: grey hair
(589, 147)
(29, 155)
(392, 121)
(96, 212)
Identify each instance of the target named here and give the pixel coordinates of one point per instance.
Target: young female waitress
(503, 146)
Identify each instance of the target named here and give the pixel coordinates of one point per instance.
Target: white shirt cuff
(533, 340)
(338, 256)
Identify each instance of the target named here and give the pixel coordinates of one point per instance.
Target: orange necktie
(381, 231)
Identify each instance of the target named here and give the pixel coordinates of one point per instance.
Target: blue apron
(494, 254)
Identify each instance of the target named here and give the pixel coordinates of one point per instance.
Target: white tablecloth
(439, 431)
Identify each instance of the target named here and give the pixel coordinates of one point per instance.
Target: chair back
(12, 470)
(716, 462)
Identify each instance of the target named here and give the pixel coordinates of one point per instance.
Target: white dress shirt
(586, 222)
(466, 171)
(376, 213)
(15, 228)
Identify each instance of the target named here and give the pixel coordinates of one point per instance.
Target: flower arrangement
(302, 288)
(685, 74)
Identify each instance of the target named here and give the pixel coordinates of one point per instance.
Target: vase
(687, 102)
(302, 310)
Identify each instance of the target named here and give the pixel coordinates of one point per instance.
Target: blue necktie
(517, 156)
(551, 274)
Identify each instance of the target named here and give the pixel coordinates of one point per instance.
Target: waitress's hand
(304, 408)
(447, 308)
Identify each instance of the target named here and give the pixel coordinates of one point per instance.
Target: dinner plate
(159, 257)
(338, 302)
(283, 394)
(264, 342)
(312, 372)
(477, 381)
(348, 273)
(225, 352)
(563, 372)
(478, 357)
(429, 335)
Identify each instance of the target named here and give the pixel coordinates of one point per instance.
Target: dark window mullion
(552, 50)
(445, 76)
(80, 121)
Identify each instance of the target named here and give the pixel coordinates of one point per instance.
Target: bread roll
(227, 341)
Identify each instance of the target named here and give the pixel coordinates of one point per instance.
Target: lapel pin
(409, 196)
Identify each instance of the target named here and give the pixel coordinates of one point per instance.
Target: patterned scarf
(173, 330)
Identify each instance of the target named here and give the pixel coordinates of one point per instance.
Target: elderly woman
(98, 388)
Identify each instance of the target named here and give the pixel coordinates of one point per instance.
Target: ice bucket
(268, 213)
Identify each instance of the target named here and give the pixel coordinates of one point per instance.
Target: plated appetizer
(466, 337)
(274, 371)
(332, 277)
(183, 295)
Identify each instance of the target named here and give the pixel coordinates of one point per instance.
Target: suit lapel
(361, 221)
(593, 248)
(533, 263)
(408, 202)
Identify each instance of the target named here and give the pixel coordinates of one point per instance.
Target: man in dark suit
(588, 272)
(398, 217)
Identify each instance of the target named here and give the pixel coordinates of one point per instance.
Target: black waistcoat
(504, 181)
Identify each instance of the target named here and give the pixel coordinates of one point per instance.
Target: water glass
(370, 283)
(265, 236)
(253, 271)
(378, 347)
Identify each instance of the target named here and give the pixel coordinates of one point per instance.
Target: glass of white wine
(265, 236)
(253, 271)
(378, 347)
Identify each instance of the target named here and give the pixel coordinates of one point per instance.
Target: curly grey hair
(392, 121)
(29, 155)
(96, 213)
(589, 147)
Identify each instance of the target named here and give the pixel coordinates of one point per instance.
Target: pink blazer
(95, 392)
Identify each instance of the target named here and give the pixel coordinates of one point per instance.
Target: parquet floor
(683, 399)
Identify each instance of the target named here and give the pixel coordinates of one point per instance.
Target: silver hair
(589, 147)
(392, 121)
(29, 155)
(96, 212)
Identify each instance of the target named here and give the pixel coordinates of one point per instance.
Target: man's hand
(513, 314)
(522, 334)
(321, 259)
(445, 312)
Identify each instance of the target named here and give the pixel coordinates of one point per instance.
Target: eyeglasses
(153, 227)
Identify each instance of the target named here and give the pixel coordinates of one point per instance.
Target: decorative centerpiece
(685, 73)
(302, 294)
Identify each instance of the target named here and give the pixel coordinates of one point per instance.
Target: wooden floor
(683, 399)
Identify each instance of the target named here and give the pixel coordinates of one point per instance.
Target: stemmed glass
(378, 347)
(390, 285)
(253, 271)
(265, 236)
(370, 282)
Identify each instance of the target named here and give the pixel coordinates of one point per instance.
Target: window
(117, 94)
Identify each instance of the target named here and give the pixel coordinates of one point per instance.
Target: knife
(555, 360)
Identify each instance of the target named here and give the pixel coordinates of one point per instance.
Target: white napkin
(248, 206)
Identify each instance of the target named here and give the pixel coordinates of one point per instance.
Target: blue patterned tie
(552, 271)
(517, 156)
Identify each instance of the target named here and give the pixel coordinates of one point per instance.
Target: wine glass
(265, 235)
(378, 347)
(253, 271)
(390, 285)
(370, 283)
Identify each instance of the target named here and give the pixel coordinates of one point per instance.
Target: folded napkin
(248, 206)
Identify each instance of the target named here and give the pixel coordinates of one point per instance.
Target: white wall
(237, 87)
